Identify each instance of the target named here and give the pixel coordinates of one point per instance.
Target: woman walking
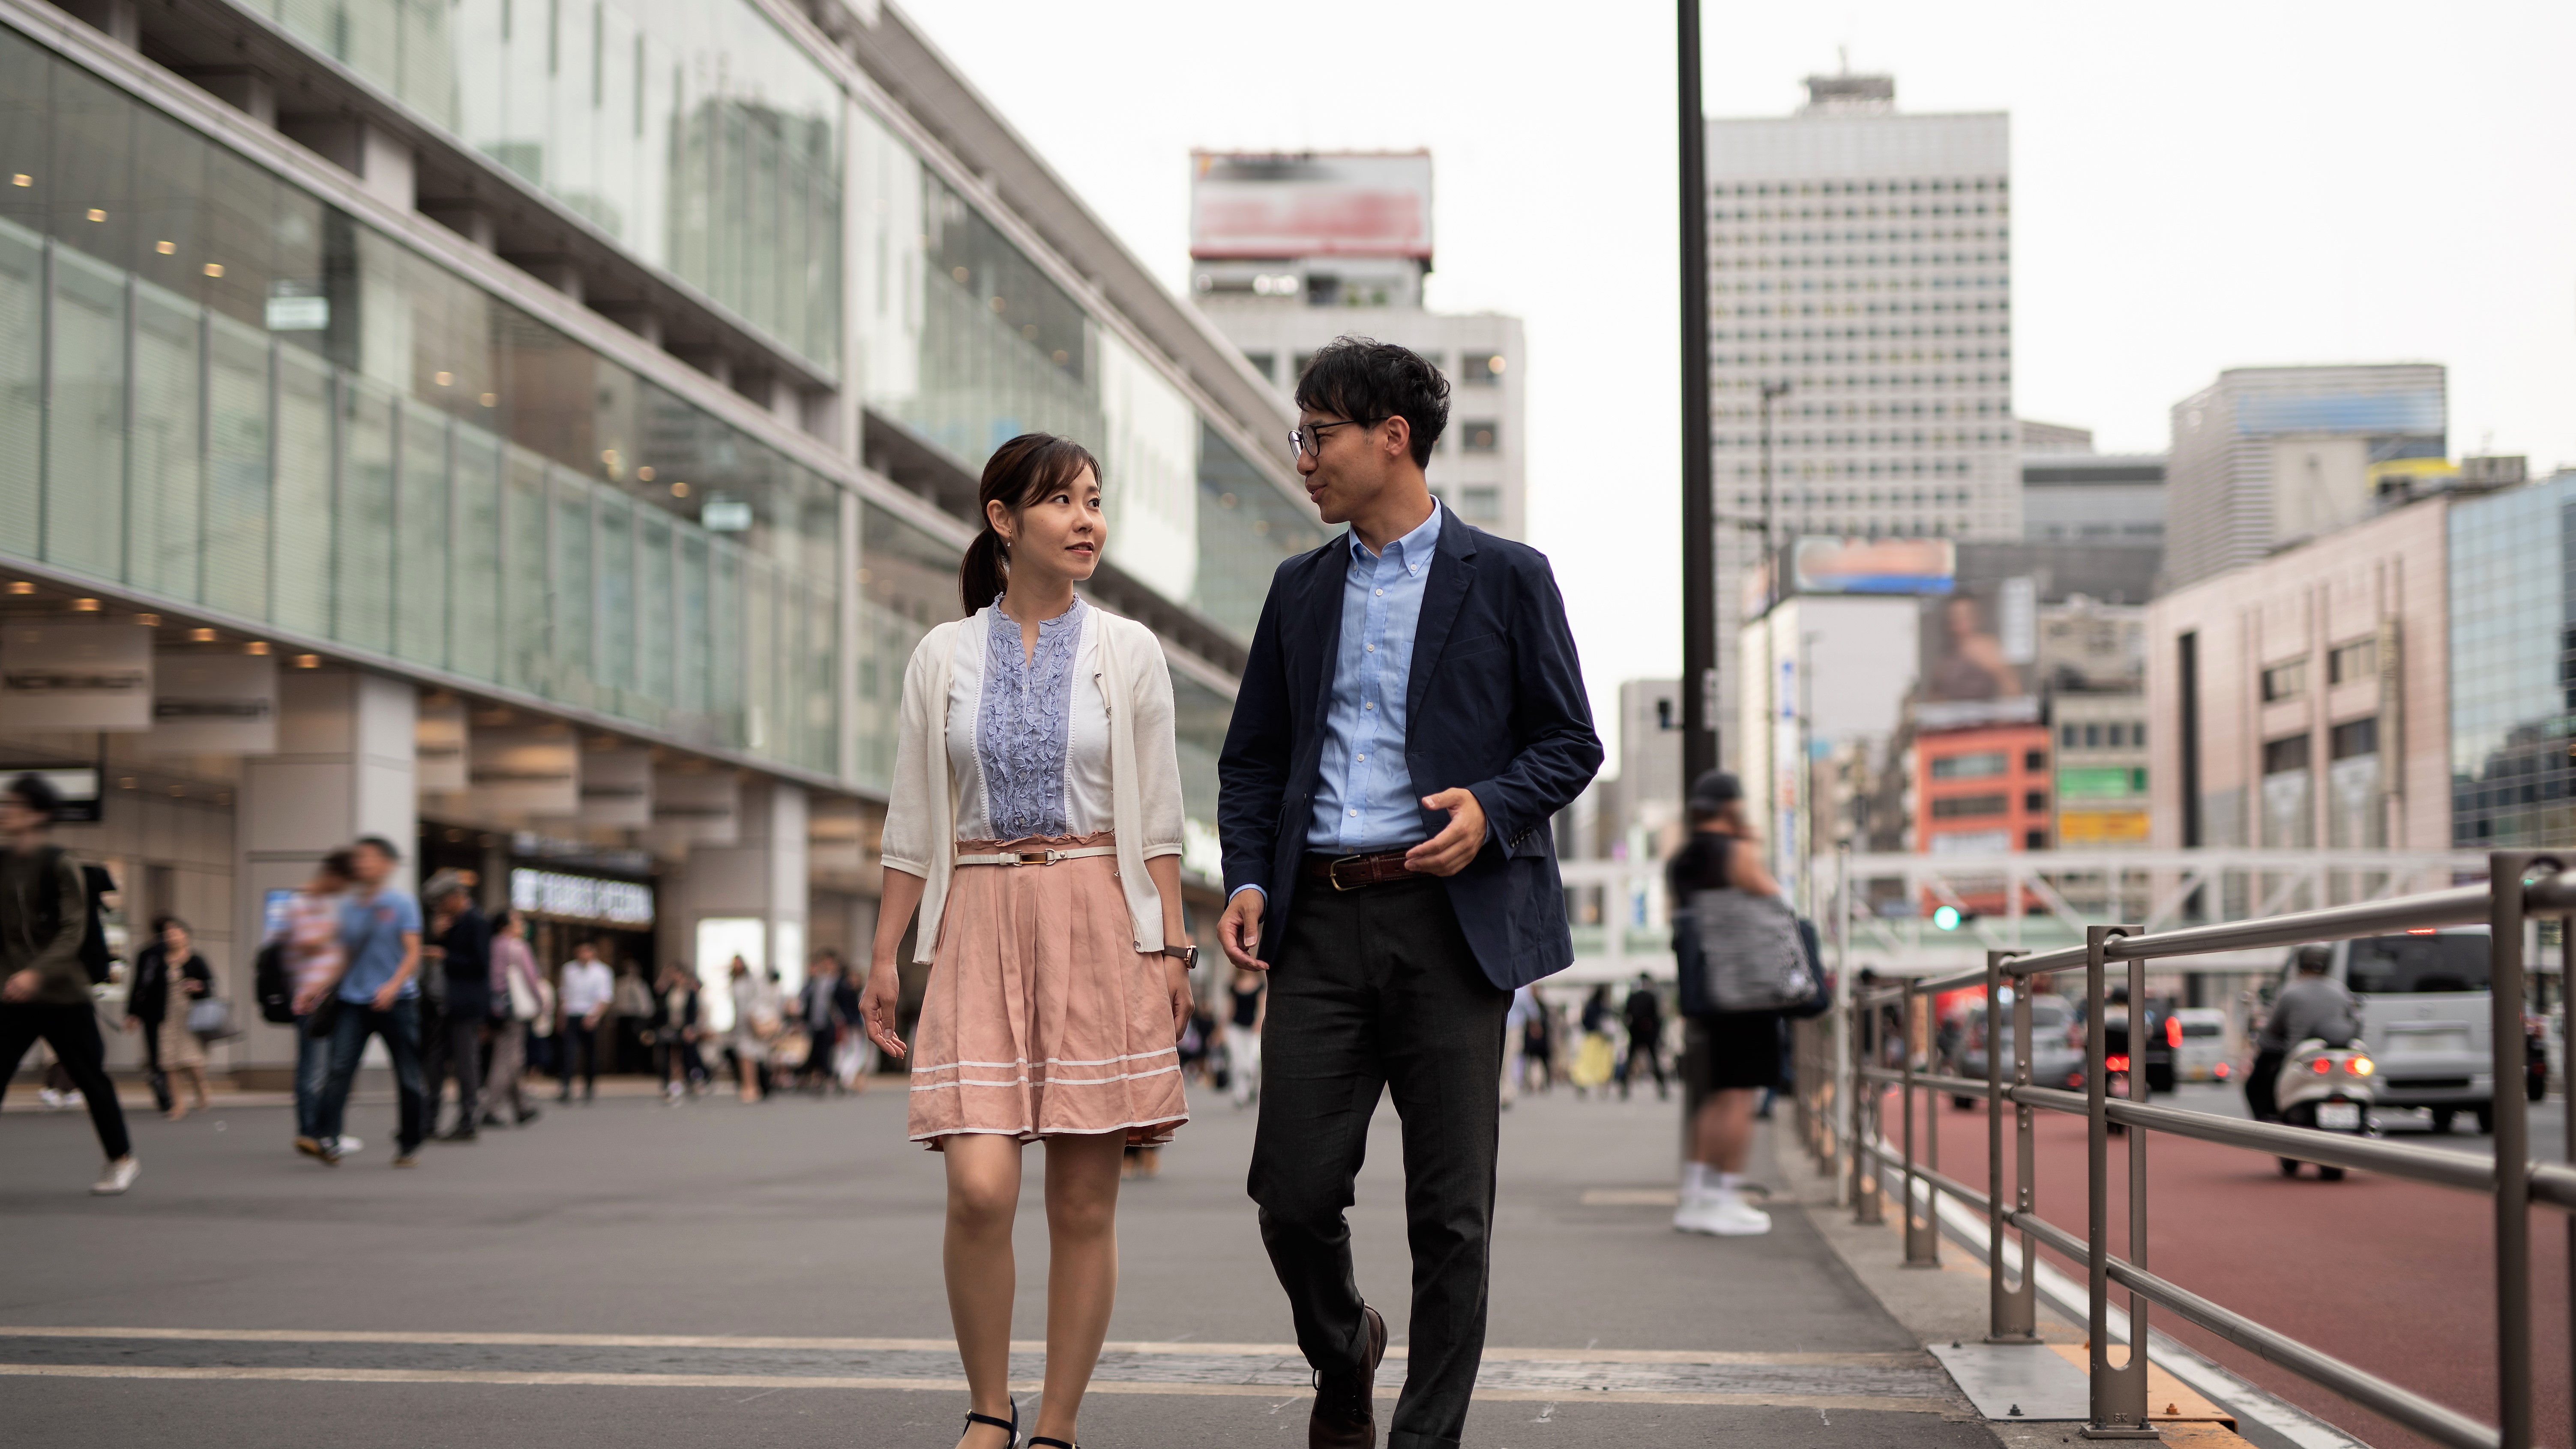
(1036, 823)
(518, 991)
(169, 977)
(756, 1023)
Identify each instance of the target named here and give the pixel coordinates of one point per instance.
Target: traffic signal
(1947, 918)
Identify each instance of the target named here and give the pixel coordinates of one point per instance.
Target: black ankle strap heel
(1036, 1439)
(1010, 1425)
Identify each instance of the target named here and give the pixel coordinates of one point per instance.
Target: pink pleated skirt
(1041, 1018)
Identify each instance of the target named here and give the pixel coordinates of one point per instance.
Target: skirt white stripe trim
(1030, 1133)
(1048, 1081)
(1058, 1061)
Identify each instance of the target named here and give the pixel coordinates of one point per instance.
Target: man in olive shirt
(44, 988)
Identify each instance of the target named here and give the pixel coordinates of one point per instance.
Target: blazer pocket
(1471, 646)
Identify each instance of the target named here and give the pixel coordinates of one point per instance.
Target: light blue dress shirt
(1364, 801)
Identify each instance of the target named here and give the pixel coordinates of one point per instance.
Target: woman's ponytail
(1019, 473)
(981, 574)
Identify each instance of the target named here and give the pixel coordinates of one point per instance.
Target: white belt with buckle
(1036, 857)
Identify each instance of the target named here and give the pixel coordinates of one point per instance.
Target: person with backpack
(1728, 1056)
(308, 959)
(374, 994)
(45, 911)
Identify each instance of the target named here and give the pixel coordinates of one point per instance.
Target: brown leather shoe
(1345, 1415)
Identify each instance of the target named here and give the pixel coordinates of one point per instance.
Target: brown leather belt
(1352, 872)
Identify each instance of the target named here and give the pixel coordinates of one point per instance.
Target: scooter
(2328, 1088)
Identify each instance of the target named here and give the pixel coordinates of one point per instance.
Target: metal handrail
(2511, 895)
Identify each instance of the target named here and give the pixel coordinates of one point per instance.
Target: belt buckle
(1034, 857)
(1333, 873)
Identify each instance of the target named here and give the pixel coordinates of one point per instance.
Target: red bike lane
(2397, 1278)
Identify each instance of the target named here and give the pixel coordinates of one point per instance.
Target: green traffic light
(1946, 917)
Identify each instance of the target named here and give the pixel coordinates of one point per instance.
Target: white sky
(2198, 185)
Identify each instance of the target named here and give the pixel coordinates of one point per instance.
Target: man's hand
(387, 995)
(307, 999)
(1239, 929)
(21, 986)
(1457, 843)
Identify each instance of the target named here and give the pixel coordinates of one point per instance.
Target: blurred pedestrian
(1241, 1034)
(757, 1022)
(631, 1016)
(1644, 1011)
(168, 976)
(313, 962)
(518, 992)
(588, 989)
(1731, 1056)
(818, 1002)
(376, 994)
(1538, 1042)
(464, 950)
(676, 1033)
(1592, 1064)
(44, 987)
(1515, 1040)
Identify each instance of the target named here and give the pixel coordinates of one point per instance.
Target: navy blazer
(1495, 704)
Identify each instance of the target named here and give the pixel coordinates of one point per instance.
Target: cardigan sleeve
(907, 845)
(1158, 764)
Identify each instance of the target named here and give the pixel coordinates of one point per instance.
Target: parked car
(2055, 1059)
(2427, 1014)
(2198, 1035)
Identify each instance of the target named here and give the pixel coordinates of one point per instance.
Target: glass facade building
(2513, 667)
(233, 390)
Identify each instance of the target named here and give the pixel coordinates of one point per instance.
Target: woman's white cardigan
(1144, 768)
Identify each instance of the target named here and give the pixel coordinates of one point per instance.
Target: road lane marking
(537, 1379)
(1713, 1357)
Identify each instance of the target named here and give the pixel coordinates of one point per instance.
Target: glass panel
(425, 529)
(93, 156)
(169, 482)
(524, 549)
(26, 133)
(301, 597)
(474, 599)
(1200, 718)
(724, 639)
(22, 318)
(655, 664)
(365, 578)
(85, 442)
(761, 642)
(689, 694)
(1246, 529)
(907, 582)
(237, 462)
(615, 667)
(170, 183)
(428, 70)
(575, 604)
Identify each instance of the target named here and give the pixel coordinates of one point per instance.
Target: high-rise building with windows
(1289, 252)
(1860, 258)
(539, 435)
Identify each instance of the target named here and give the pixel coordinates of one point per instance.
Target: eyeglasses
(1309, 440)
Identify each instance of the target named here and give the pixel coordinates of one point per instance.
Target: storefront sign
(438, 747)
(2101, 827)
(213, 704)
(563, 897)
(525, 771)
(88, 677)
(617, 788)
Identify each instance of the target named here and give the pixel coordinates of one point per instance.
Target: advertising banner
(213, 704)
(1266, 206)
(85, 676)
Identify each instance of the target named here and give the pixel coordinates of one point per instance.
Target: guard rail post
(2566, 1020)
(1864, 1112)
(2505, 887)
(2119, 1400)
(1922, 1227)
(2012, 1308)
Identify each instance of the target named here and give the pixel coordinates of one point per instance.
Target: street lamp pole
(1699, 503)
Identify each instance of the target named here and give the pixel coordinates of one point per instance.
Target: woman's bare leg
(1082, 1268)
(197, 1080)
(983, 1197)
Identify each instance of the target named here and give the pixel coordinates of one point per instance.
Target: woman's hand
(1176, 984)
(877, 1006)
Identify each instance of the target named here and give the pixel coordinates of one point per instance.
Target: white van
(2427, 1016)
(2201, 1054)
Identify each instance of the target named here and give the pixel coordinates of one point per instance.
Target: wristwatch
(1188, 955)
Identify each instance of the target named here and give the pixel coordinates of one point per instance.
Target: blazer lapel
(1453, 572)
(1319, 612)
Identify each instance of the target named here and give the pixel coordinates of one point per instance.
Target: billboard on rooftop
(1252, 206)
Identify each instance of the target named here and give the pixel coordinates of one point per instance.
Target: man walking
(1411, 717)
(1644, 1011)
(588, 988)
(44, 988)
(464, 954)
(376, 994)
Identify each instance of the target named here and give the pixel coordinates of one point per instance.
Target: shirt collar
(1412, 549)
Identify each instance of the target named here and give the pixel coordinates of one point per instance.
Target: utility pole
(1771, 392)
(1699, 502)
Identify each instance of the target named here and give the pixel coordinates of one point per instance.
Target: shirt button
(1363, 759)
(1372, 649)
(1381, 593)
(1371, 704)
(1355, 812)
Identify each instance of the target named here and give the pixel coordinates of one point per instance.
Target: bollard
(2012, 1308)
(2119, 1394)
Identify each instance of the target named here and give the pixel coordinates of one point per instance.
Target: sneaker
(50, 1098)
(73, 1098)
(310, 1147)
(412, 1159)
(528, 1116)
(459, 1133)
(120, 1176)
(1723, 1214)
(347, 1145)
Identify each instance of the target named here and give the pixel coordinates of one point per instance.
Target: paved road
(628, 1274)
(2393, 1276)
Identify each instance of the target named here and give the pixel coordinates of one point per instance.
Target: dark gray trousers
(1376, 990)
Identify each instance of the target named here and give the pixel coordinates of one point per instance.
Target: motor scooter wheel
(2289, 1167)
